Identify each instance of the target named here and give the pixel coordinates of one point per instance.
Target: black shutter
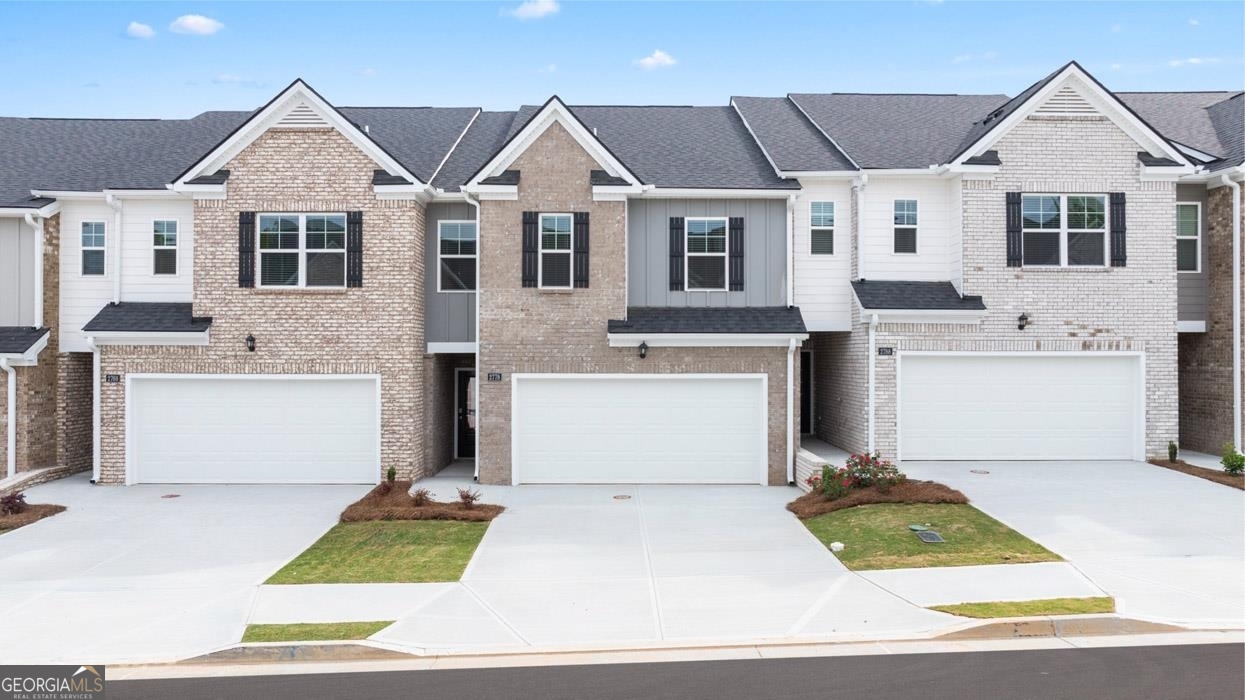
(676, 253)
(354, 249)
(1119, 247)
(1015, 247)
(531, 249)
(246, 249)
(736, 253)
(581, 249)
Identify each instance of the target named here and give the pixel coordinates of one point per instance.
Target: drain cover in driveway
(622, 498)
(930, 537)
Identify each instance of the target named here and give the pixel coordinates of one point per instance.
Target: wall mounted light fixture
(643, 349)
(250, 343)
(1022, 321)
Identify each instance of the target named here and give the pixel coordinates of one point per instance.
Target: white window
(706, 254)
(555, 251)
(821, 228)
(457, 253)
(93, 242)
(905, 225)
(302, 250)
(164, 248)
(1188, 237)
(1064, 230)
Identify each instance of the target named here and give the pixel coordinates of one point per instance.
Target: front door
(464, 419)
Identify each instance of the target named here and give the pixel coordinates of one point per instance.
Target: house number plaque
(494, 376)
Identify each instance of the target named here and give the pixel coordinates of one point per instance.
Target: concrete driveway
(1170, 547)
(127, 575)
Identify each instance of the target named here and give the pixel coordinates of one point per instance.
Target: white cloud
(655, 60)
(1116, 66)
(551, 68)
(1117, 28)
(1181, 62)
(195, 24)
(1194, 22)
(535, 9)
(367, 72)
(138, 30)
(969, 57)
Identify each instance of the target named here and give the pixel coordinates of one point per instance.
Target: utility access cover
(930, 537)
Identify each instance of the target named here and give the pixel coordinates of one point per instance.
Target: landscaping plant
(835, 482)
(1172, 451)
(871, 470)
(391, 475)
(13, 504)
(420, 497)
(468, 498)
(1233, 461)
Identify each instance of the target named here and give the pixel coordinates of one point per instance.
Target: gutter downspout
(790, 412)
(111, 200)
(873, 327)
(1236, 310)
(790, 250)
(36, 222)
(10, 454)
(95, 414)
(861, 183)
(479, 385)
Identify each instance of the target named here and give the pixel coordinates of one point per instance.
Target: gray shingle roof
(790, 139)
(600, 178)
(15, 340)
(486, 135)
(148, 317)
(913, 296)
(651, 320)
(417, 137)
(1228, 118)
(1183, 117)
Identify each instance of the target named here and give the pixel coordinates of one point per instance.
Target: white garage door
(215, 429)
(639, 429)
(1071, 406)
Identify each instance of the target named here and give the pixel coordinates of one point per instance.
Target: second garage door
(639, 429)
(1059, 406)
(239, 429)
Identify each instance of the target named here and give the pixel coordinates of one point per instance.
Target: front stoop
(24, 480)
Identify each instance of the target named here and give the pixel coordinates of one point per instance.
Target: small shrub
(391, 475)
(871, 470)
(1233, 461)
(1172, 451)
(468, 498)
(421, 497)
(835, 482)
(814, 482)
(384, 488)
(13, 504)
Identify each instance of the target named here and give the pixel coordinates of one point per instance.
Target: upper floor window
(1189, 237)
(457, 252)
(555, 251)
(164, 248)
(905, 225)
(821, 228)
(93, 243)
(302, 250)
(706, 254)
(1064, 230)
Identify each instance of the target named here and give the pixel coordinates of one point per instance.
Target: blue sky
(176, 59)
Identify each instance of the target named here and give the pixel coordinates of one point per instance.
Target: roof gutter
(112, 201)
(10, 454)
(35, 221)
(1236, 309)
(861, 183)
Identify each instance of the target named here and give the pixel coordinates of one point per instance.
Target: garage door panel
(1019, 407)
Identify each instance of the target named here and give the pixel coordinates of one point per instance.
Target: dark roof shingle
(148, 317)
(654, 320)
(15, 340)
(913, 296)
(791, 140)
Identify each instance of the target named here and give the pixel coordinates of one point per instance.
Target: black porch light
(643, 349)
(1022, 321)
(250, 343)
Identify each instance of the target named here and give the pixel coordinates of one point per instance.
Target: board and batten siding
(17, 273)
(449, 317)
(1191, 286)
(823, 289)
(648, 255)
(933, 260)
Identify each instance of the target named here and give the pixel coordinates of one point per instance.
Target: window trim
(103, 249)
(1063, 230)
(440, 256)
(688, 254)
(1197, 270)
(916, 228)
(834, 212)
(540, 252)
(176, 248)
(302, 251)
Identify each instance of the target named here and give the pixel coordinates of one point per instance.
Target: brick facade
(441, 373)
(528, 330)
(376, 329)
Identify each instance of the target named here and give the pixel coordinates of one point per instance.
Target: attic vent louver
(1067, 101)
(301, 117)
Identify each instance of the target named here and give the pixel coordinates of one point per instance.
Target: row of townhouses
(313, 293)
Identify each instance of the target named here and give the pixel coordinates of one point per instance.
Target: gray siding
(1191, 286)
(648, 256)
(449, 317)
(17, 273)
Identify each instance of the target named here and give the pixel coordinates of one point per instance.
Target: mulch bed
(812, 504)
(1219, 477)
(33, 513)
(397, 505)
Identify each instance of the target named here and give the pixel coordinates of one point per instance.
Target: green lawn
(386, 551)
(877, 537)
(1030, 608)
(313, 632)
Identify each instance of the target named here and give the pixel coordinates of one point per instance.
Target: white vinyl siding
(556, 249)
(705, 256)
(1188, 237)
(933, 261)
(139, 281)
(822, 282)
(456, 256)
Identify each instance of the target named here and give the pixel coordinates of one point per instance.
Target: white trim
(833, 228)
(724, 255)
(30, 357)
(66, 194)
(454, 145)
(302, 250)
(1193, 152)
(1190, 326)
(916, 228)
(614, 193)
(10, 420)
(1198, 268)
(540, 251)
(516, 407)
(176, 248)
(83, 249)
(417, 193)
(458, 371)
(944, 317)
(812, 174)
(651, 192)
(150, 337)
(451, 348)
(1064, 230)
(46, 211)
(704, 340)
(458, 256)
(1139, 424)
(131, 477)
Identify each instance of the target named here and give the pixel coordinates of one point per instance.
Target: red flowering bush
(861, 471)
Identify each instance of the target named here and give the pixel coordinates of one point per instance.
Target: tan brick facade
(376, 329)
(441, 414)
(526, 330)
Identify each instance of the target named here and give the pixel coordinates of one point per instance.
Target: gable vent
(1066, 101)
(301, 117)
